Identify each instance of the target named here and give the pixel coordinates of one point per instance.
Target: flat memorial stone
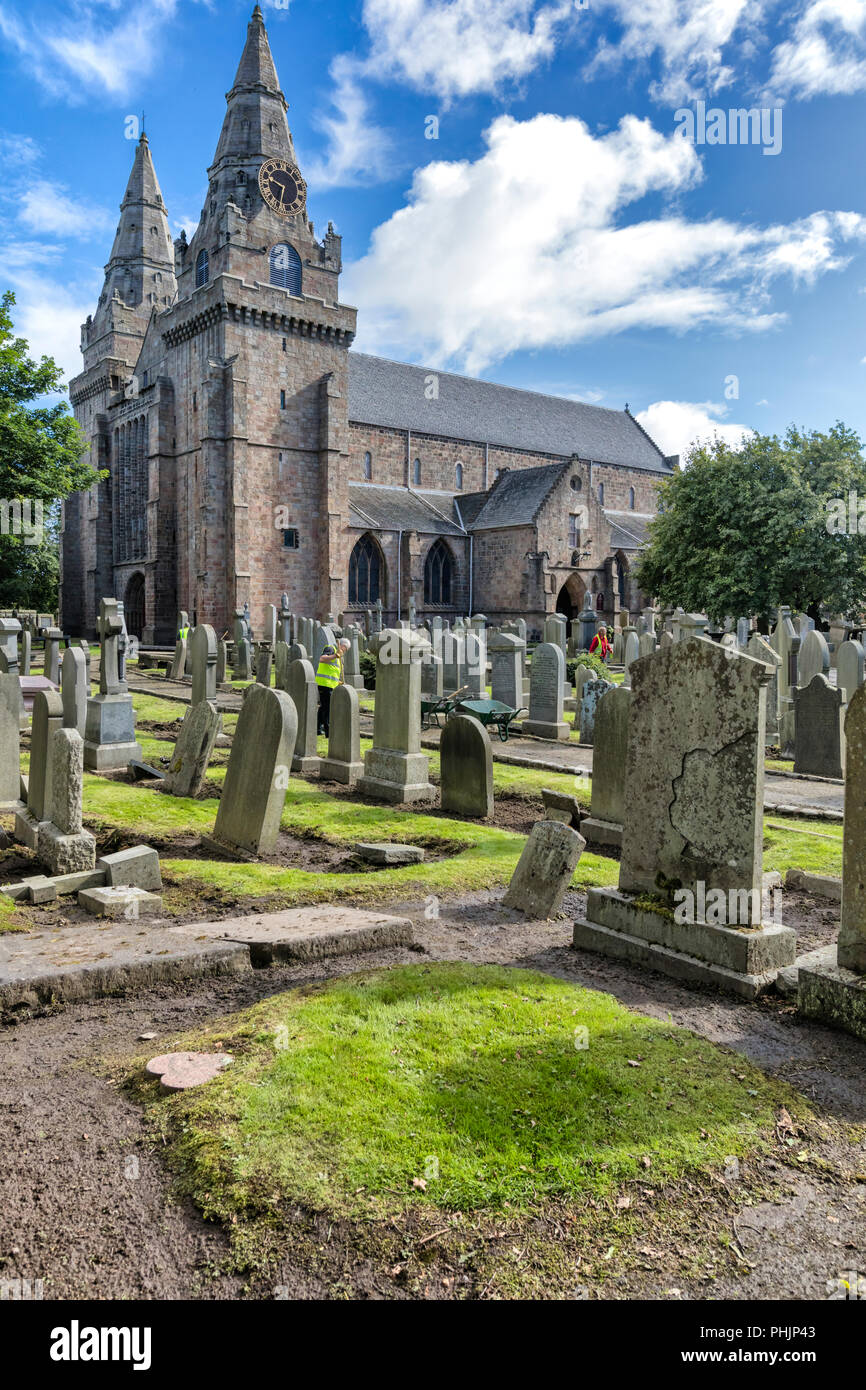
(388, 853)
(178, 1071)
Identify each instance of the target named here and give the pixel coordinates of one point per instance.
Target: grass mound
(467, 1088)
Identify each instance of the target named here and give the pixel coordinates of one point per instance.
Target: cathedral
(249, 451)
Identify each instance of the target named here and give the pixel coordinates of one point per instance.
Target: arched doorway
(569, 600)
(133, 605)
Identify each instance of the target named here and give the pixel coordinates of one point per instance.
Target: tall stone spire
(255, 126)
(139, 275)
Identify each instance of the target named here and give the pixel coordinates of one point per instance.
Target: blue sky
(561, 233)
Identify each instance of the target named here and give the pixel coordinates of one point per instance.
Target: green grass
(815, 846)
(469, 1078)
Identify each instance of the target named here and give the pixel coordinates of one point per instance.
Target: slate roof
(402, 509)
(628, 530)
(392, 394)
(517, 495)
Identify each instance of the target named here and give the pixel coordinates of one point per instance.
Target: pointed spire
(255, 126)
(140, 268)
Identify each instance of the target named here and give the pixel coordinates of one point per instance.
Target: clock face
(282, 187)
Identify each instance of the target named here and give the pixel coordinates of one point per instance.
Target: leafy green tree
(776, 521)
(41, 450)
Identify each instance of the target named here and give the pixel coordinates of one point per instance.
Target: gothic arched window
(601, 493)
(365, 571)
(286, 268)
(368, 467)
(631, 499)
(458, 477)
(438, 575)
(416, 472)
(202, 269)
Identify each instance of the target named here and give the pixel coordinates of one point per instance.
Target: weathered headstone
(192, 751)
(242, 668)
(850, 668)
(10, 755)
(507, 654)
(281, 665)
(221, 661)
(53, 638)
(257, 778)
(819, 737)
(546, 677)
(545, 870)
(475, 677)
(178, 666)
(351, 659)
(692, 826)
(63, 845)
(343, 763)
(630, 653)
(466, 767)
(453, 661)
(814, 658)
(395, 769)
(302, 690)
(109, 734)
(760, 649)
(591, 694)
(26, 651)
(203, 647)
(603, 825)
(646, 643)
(47, 717)
(74, 689)
(588, 619)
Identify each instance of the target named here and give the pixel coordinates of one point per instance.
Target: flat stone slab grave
(83, 962)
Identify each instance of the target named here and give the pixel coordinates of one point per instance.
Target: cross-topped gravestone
(109, 733)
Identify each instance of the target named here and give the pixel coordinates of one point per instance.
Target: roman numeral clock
(282, 187)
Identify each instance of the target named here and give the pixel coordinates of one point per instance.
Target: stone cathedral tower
(215, 391)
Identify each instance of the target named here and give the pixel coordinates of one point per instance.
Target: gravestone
(395, 769)
(630, 653)
(304, 694)
(10, 755)
(786, 644)
(270, 633)
(692, 829)
(453, 661)
(744, 626)
(281, 665)
(203, 649)
(850, 668)
(592, 693)
(285, 628)
(257, 778)
(666, 640)
(324, 637)
(74, 689)
(507, 653)
(832, 987)
(9, 629)
(53, 638)
(351, 658)
(588, 619)
(617, 645)
(178, 665)
(759, 648)
(466, 767)
(544, 870)
(603, 825)
(297, 652)
(109, 731)
(432, 675)
(819, 737)
(242, 668)
(26, 651)
(555, 630)
(264, 658)
(192, 751)
(63, 845)
(475, 677)
(47, 717)
(343, 763)
(546, 677)
(646, 643)
(221, 661)
(814, 658)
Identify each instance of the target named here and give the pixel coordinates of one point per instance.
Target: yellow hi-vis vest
(184, 633)
(329, 672)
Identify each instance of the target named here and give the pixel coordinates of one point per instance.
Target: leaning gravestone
(546, 677)
(343, 763)
(74, 689)
(395, 769)
(850, 668)
(832, 987)
(304, 695)
(814, 658)
(109, 733)
(203, 649)
(63, 845)
(192, 751)
(257, 778)
(692, 827)
(603, 825)
(466, 767)
(545, 869)
(819, 737)
(591, 694)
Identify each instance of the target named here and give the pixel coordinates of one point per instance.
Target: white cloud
(85, 49)
(455, 47)
(47, 207)
(527, 247)
(47, 312)
(826, 53)
(186, 224)
(359, 151)
(675, 425)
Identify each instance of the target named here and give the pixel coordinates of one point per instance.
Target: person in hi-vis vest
(328, 676)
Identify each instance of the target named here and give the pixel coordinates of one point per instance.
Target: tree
(741, 531)
(41, 450)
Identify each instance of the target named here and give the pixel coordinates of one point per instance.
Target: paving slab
(304, 933)
(72, 963)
